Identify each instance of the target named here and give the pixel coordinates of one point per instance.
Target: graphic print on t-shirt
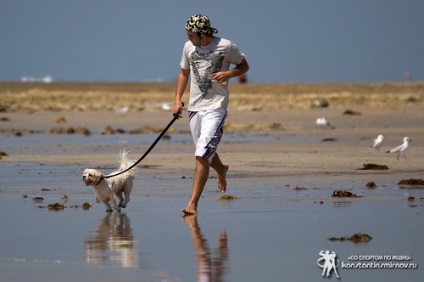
(204, 63)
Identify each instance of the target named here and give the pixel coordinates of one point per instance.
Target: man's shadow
(112, 242)
(211, 263)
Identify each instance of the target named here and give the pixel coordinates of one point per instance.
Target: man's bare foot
(222, 180)
(189, 210)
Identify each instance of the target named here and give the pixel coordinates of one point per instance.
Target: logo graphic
(329, 264)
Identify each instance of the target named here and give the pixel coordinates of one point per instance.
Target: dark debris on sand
(38, 199)
(355, 238)
(86, 206)
(55, 206)
(411, 181)
(371, 166)
(2, 154)
(351, 113)
(228, 197)
(329, 139)
(60, 207)
(108, 130)
(297, 188)
(344, 194)
(371, 185)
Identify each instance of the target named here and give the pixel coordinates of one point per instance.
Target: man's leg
(201, 175)
(221, 170)
(206, 128)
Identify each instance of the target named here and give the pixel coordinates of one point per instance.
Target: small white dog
(109, 190)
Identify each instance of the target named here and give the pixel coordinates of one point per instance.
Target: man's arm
(238, 70)
(182, 81)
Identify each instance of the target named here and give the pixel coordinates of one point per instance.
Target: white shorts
(207, 128)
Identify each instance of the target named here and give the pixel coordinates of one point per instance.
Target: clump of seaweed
(329, 139)
(38, 199)
(355, 238)
(59, 207)
(344, 194)
(86, 206)
(351, 113)
(411, 182)
(371, 185)
(371, 166)
(297, 188)
(228, 197)
(56, 207)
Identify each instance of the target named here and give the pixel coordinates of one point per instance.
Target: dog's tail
(126, 163)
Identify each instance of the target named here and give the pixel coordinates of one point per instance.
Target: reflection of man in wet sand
(210, 267)
(114, 235)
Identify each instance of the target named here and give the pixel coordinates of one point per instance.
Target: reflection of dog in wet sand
(112, 241)
(109, 190)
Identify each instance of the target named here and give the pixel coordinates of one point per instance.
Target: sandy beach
(283, 172)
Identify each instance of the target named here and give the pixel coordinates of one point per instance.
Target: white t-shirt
(203, 61)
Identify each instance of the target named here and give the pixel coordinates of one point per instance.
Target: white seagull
(378, 142)
(322, 122)
(401, 148)
(123, 110)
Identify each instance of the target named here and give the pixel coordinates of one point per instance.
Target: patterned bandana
(200, 24)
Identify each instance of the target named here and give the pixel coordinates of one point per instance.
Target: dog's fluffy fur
(110, 190)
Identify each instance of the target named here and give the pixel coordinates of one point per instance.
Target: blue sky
(284, 40)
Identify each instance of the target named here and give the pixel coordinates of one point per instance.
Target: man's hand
(224, 76)
(221, 77)
(178, 109)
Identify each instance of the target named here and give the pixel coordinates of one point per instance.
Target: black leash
(176, 116)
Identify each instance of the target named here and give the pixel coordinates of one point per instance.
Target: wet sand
(281, 172)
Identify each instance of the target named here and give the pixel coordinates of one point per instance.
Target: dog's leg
(127, 198)
(108, 207)
(114, 205)
(118, 196)
(127, 192)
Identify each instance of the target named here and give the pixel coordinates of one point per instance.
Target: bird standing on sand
(322, 122)
(123, 110)
(378, 142)
(401, 148)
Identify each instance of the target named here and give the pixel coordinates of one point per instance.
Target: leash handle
(175, 117)
(178, 114)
